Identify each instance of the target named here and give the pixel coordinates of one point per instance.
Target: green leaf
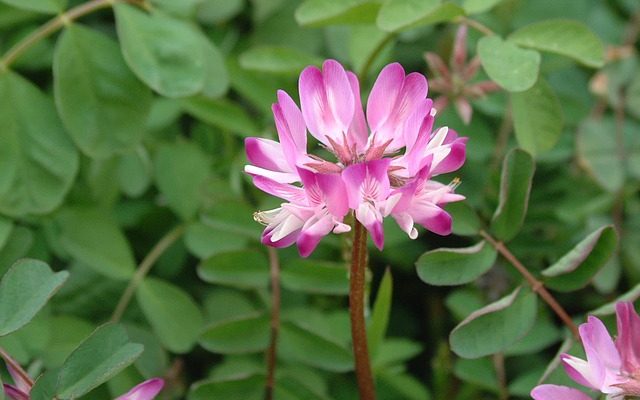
(249, 334)
(237, 387)
(102, 104)
(397, 15)
(164, 52)
(315, 13)
(312, 276)
(275, 59)
(181, 170)
(479, 6)
(66, 333)
(395, 351)
(515, 186)
(455, 266)
(562, 36)
(381, 311)
(38, 162)
(537, 118)
(243, 269)
(496, 326)
(302, 345)
(222, 113)
(45, 386)
(134, 172)
(172, 313)
(6, 227)
(24, 290)
(94, 238)
(600, 153)
(216, 81)
(100, 357)
(43, 6)
(511, 67)
(576, 268)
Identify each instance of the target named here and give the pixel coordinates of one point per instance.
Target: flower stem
(536, 285)
(480, 27)
(144, 268)
(274, 264)
(52, 26)
(356, 310)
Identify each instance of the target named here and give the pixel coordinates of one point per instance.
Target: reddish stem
(356, 308)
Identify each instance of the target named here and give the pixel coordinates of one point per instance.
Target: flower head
(381, 165)
(612, 368)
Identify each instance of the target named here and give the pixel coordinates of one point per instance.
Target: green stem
(143, 269)
(356, 311)
(274, 264)
(480, 27)
(52, 26)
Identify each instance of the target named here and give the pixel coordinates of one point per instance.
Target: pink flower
(371, 175)
(612, 368)
(146, 390)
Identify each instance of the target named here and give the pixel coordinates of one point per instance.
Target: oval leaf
(244, 335)
(244, 269)
(455, 266)
(537, 117)
(576, 268)
(102, 104)
(276, 60)
(397, 15)
(239, 387)
(314, 13)
(181, 169)
(172, 313)
(515, 186)
(496, 326)
(100, 357)
(39, 162)
(302, 345)
(95, 239)
(164, 52)
(43, 6)
(562, 36)
(511, 67)
(24, 290)
(319, 277)
(221, 113)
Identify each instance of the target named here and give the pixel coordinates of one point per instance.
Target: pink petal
(282, 177)
(628, 341)
(599, 345)
(579, 370)
(284, 191)
(455, 159)
(326, 100)
(339, 93)
(291, 128)
(433, 218)
(20, 378)
(555, 392)
(358, 132)
(383, 95)
(13, 393)
(334, 193)
(371, 218)
(267, 154)
(146, 390)
(353, 177)
(312, 232)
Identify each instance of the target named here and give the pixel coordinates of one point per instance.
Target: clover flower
(382, 164)
(612, 367)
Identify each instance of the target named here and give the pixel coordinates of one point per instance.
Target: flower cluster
(370, 174)
(612, 367)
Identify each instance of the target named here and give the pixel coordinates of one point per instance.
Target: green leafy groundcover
(127, 245)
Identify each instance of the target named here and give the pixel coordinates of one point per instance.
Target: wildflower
(370, 173)
(612, 368)
(454, 80)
